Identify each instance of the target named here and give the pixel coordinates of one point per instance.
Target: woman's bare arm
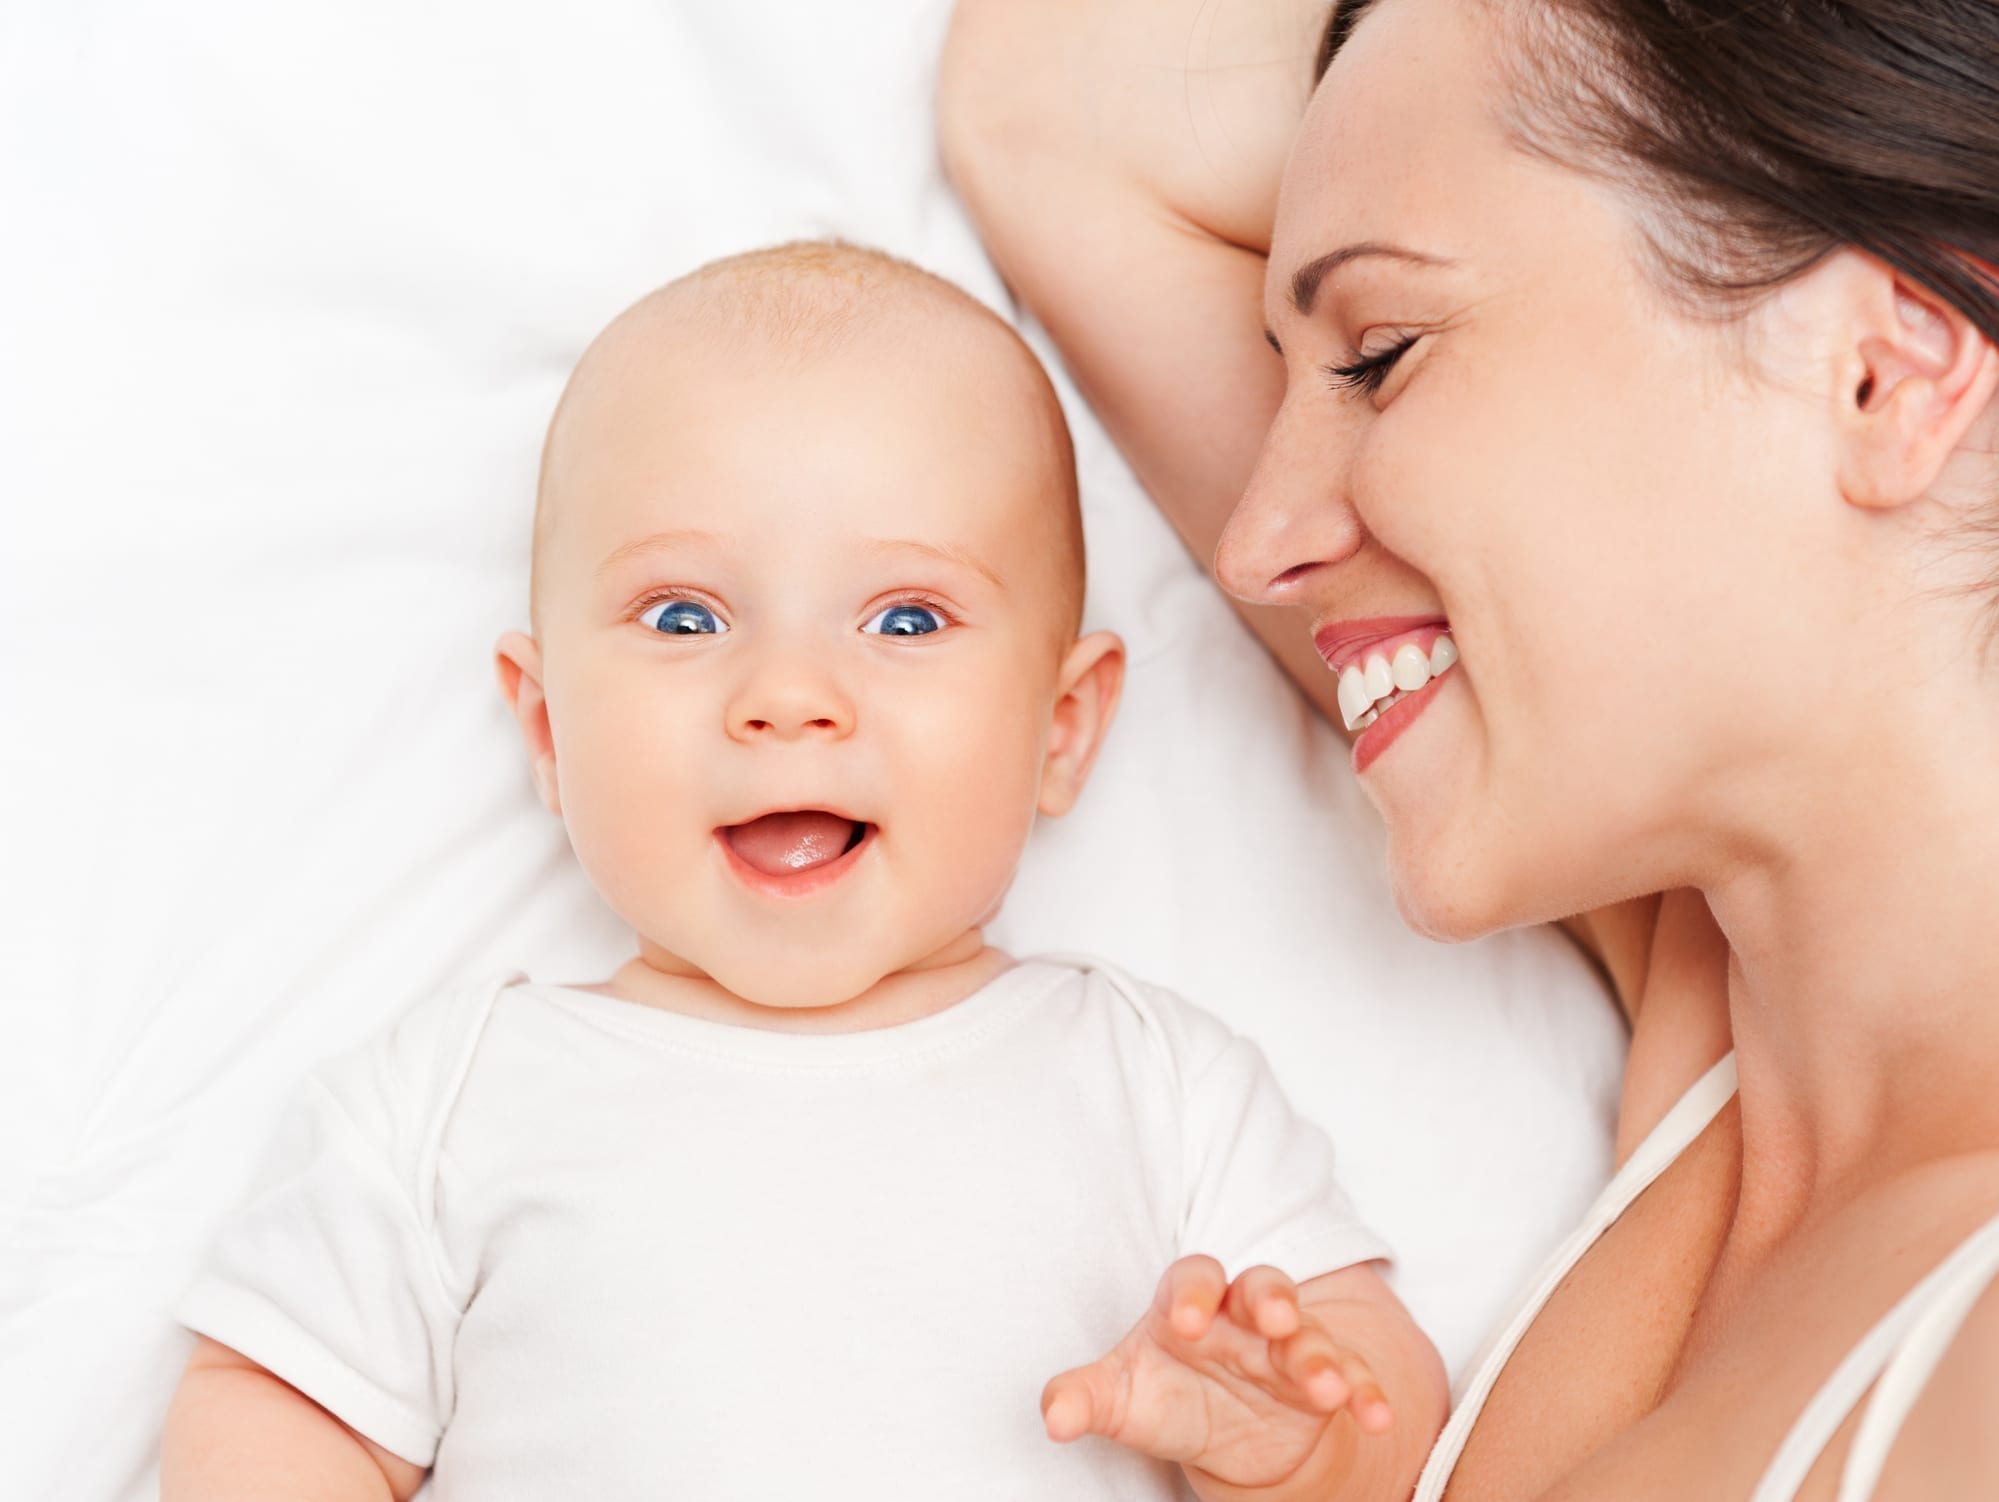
(1121, 158)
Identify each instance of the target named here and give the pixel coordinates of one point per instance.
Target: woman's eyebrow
(1306, 279)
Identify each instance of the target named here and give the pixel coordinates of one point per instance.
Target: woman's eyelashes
(1366, 373)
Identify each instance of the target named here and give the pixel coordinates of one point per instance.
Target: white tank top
(1895, 1358)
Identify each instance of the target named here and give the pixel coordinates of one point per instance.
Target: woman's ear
(1918, 374)
(1086, 696)
(518, 658)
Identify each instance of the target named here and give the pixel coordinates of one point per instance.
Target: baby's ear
(518, 658)
(1086, 697)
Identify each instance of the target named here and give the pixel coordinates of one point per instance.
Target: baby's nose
(787, 700)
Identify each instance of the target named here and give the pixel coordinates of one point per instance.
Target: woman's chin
(1443, 911)
(1458, 884)
(1443, 867)
(1450, 885)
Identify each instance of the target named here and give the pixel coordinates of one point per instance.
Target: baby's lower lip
(799, 883)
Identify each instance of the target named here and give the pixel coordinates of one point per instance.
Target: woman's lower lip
(800, 883)
(1388, 728)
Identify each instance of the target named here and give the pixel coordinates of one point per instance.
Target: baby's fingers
(1190, 1294)
(1264, 1301)
(1332, 1377)
(1084, 1400)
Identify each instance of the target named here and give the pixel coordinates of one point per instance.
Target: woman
(1646, 349)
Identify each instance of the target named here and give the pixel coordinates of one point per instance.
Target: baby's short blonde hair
(805, 298)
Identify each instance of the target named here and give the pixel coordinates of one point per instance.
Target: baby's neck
(931, 985)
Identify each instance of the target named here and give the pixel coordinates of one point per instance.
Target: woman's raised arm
(1121, 158)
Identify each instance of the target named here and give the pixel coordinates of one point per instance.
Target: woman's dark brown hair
(1763, 134)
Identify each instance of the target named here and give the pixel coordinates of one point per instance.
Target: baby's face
(804, 641)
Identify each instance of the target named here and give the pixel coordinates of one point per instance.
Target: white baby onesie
(558, 1245)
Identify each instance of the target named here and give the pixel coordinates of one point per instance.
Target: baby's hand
(1236, 1382)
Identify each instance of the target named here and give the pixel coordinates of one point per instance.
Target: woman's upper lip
(1340, 642)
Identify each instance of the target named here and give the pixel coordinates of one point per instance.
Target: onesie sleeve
(328, 1276)
(1258, 1178)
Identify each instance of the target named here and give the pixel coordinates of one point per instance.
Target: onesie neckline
(959, 1025)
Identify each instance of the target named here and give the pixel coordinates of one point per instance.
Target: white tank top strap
(1901, 1351)
(1690, 1116)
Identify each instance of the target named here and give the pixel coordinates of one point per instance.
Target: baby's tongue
(780, 843)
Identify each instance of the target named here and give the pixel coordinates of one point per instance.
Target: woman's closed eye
(682, 618)
(905, 620)
(1366, 373)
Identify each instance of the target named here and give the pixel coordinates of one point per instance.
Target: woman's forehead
(1402, 145)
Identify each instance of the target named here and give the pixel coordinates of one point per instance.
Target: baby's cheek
(976, 821)
(631, 821)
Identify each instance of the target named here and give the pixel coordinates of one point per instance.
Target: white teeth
(1411, 667)
(1366, 691)
(1354, 697)
(1380, 680)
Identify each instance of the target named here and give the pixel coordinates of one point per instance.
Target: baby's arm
(1265, 1389)
(236, 1433)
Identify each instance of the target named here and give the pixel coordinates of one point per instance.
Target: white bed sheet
(286, 295)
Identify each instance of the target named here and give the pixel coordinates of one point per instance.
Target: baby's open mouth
(784, 844)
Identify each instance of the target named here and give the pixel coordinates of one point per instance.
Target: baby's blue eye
(682, 618)
(905, 620)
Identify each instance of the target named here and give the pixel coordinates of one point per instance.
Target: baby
(812, 1196)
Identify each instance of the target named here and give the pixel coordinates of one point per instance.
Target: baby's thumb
(1082, 1401)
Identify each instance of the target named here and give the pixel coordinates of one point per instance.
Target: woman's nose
(788, 695)
(1294, 519)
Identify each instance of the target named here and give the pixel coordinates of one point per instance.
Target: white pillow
(289, 292)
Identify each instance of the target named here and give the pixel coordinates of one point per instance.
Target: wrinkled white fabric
(286, 297)
(559, 1245)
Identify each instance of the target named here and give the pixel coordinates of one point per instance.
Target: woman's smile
(1389, 668)
(1378, 661)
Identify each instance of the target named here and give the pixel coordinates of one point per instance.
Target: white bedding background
(286, 295)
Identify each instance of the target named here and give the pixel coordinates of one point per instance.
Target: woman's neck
(1864, 987)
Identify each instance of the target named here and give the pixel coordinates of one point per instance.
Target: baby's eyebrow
(945, 552)
(657, 542)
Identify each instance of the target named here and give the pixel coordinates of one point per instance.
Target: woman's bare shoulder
(1949, 1446)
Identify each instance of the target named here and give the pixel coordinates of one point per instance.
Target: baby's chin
(805, 977)
(808, 983)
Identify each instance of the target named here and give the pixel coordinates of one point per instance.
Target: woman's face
(1630, 536)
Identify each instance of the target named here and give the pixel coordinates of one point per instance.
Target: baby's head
(808, 578)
